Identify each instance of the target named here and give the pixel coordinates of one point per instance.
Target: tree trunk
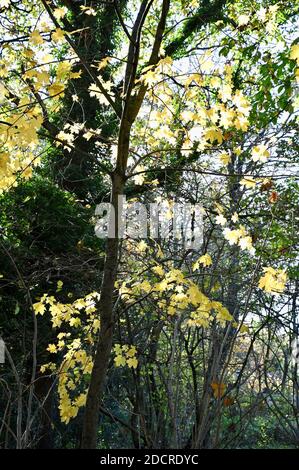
(104, 345)
(131, 107)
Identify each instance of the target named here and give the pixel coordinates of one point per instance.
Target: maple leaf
(205, 260)
(52, 348)
(36, 38)
(241, 102)
(248, 182)
(228, 401)
(273, 198)
(4, 3)
(243, 20)
(218, 389)
(132, 351)
(151, 77)
(81, 400)
(214, 135)
(75, 322)
(273, 281)
(223, 314)
(294, 54)
(260, 153)
(158, 270)
(120, 361)
(227, 117)
(232, 236)
(60, 13)
(58, 35)
(88, 10)
(221, 220)
(245, 243)
(103, 63)
(225, 158)
(225, 93)
(141, 247)
(39, 307)
(235, 217)
(88, 135)
(132, 362)
(145, 286)
(56, 89)
(117, 349)
(267, 184)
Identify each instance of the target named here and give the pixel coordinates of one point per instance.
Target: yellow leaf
(103, 63)
(39, 308)
(132, 351)
(243, 20)
(141, 247)
(58, 35)
(221, 220)
(36, 38)
(158, 270)
(245, 243)
(260, 153)
(205, 260)
(235, 217)
(225, 158)
(294, 54)
(56, 89)
(4, 3)
(120, 361)
(231, 235)
(214, 135)
(52, 348)
(59, 286)
(132, 362)
(60, 13)
(248, 182)
(273, 281)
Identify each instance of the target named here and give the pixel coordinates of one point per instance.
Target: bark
(131, 108)
(101, 360)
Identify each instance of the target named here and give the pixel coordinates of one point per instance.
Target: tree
(189, 102)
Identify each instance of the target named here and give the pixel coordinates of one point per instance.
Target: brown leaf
(266, 186)
(273, 197)
(218, 389)
(228, 401)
